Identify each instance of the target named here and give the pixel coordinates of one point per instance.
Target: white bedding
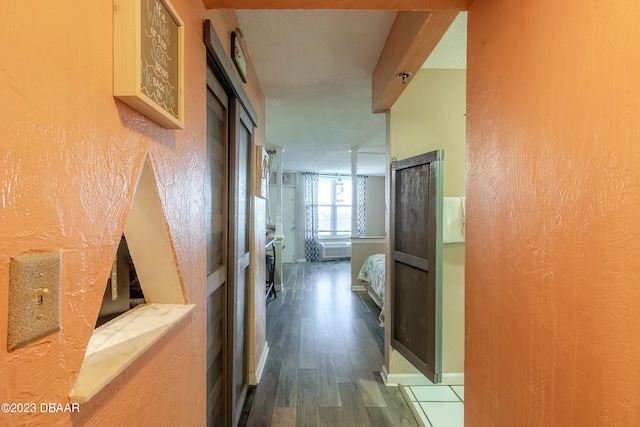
(372, 272)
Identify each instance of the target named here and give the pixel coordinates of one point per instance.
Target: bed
(373, 275)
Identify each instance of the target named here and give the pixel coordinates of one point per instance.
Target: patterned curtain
(311, 216)
(362, 205)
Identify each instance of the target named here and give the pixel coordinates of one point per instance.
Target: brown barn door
(232, 172)
(416, 268)
(216, 204)
(239, 248)
(228, 206)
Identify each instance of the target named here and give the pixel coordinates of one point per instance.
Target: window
(334, 206)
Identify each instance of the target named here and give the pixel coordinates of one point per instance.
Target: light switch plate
(34, 297)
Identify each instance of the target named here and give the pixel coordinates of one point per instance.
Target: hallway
(326, 354)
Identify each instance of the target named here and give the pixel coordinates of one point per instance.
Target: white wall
(375, 206)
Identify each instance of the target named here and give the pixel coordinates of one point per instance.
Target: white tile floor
(438, 405)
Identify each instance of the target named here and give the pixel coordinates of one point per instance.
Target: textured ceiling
(315, 68)
(451, 51)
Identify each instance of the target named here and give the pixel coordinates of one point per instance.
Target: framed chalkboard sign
(148, 63)
(238, 56)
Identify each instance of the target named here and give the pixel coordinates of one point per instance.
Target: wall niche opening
(147, 300)
(123, 290)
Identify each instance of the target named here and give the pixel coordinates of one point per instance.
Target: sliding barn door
(217, 226)
(232, 117)
(228, 204)
(416, 268)
(239, 248)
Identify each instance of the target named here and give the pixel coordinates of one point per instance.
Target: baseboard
(448, 378)
(262, 362)
(302, 260)
(385, 374)
(277, 286)
(452, 378)
(358, 288)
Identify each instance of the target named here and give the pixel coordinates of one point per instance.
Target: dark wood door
(416, 268)
(240, 231)
(228, 207)
(216, 204)
(234, 279)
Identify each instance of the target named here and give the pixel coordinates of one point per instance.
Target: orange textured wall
(553, 205)
(70, 156)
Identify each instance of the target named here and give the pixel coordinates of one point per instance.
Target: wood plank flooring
(325, 357)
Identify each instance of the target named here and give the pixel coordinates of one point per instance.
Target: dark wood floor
(326, 354)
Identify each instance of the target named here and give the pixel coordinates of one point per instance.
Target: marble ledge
(117, 344)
